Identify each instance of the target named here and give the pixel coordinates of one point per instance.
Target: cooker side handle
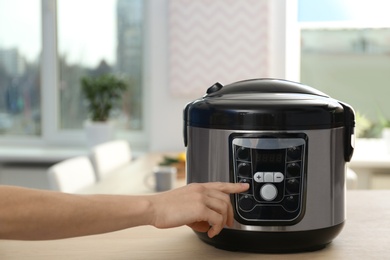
(185, 120)
(349, 134)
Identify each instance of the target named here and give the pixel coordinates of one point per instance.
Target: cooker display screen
(269, 159)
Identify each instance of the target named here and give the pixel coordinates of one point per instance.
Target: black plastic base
(273, 242)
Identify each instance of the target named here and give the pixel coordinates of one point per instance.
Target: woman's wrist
(142, 211)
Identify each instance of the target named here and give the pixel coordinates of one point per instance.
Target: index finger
(227, 187)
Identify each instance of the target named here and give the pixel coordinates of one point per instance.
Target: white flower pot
(99, 132)
(386, 137)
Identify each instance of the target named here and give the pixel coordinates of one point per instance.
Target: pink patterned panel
(216, 40)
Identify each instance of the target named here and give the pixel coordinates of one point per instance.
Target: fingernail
(210, 233)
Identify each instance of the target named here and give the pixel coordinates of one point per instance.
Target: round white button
(268, 192)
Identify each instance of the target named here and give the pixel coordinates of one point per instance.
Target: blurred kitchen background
(170, 52)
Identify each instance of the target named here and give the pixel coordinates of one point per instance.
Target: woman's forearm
(35, 214)
(28, 214)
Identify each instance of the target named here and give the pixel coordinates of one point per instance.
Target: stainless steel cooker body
(323, 186)
(291, 143)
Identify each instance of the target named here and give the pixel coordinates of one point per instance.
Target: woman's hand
(198, 205)
(30, 214)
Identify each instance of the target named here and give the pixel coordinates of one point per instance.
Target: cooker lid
(261, 86)
(269, 104)
(266, 104)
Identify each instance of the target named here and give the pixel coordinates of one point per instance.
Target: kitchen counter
(365, 236)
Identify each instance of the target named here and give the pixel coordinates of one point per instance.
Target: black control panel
(274, 167)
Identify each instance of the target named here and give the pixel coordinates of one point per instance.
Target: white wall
(165, 112)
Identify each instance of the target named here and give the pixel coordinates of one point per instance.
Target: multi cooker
(290, 142)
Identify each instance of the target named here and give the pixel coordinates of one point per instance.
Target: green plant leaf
(102, 94)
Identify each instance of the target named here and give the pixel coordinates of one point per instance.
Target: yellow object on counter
(178, 161)
(182, 156)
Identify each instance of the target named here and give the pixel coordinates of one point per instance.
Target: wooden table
(365, 236)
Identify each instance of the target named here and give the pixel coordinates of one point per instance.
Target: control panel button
(293, 170)
(268, 177)
(292, 185)
(278, 177)
(258, 177)
(246, 203)
(294, 153)
(291, 202)
(271, 177)
(268, 192)
(243, 153)
(244, 169)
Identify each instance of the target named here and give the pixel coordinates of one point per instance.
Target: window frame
(51, 134)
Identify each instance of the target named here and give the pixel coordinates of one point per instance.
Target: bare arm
(29, 214)
(37, 214)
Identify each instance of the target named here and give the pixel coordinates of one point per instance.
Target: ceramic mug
(164, 178)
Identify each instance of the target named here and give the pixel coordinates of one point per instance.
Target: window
(346, 55)
(20, 49)
(40, 86)
(96, 38)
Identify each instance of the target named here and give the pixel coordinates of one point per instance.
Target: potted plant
(102, 94)
(385, 123)
(363, 126)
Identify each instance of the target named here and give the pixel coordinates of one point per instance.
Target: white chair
(72, 174)
(109, 156)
